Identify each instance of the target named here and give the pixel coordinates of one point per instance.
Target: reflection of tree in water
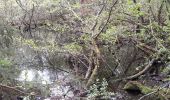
(59, 45)
(63, 85)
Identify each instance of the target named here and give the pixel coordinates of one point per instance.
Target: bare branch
(104, 4)
(107, 21)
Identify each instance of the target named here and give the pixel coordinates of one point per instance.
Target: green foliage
(8, 72)
(166, 71)
(167, 28)
(31, 43)
(5, 63)
(85, 37)
(134, 8)
(38, 45)
(68, 22)
(76, 5)
(99, 89)
(110, 35)
(73, 48)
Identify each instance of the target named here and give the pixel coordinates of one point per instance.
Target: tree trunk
(96, 60)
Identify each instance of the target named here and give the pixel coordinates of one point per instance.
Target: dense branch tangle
(95, 49)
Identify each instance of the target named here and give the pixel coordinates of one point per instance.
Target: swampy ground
(84, 49)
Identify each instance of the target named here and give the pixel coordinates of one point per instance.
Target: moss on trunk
(158, 92)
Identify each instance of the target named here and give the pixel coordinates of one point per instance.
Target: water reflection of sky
(32, 75)
(58, 85)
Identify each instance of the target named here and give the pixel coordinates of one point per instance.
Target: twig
(154, 92)
(30, 22)
(139, 73)
(147, 95)
(133, 22)
(107, 21)
(5, 87)
(98, 16)
(77, 16)
(20, 4)
(80, 61)
(152, 33)
(50, 63)
(160, 12)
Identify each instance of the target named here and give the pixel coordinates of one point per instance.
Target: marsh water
(55, 83)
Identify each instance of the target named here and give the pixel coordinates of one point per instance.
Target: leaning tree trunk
(97, 55)
(96, 61)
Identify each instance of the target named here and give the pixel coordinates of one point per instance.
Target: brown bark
(97, 54)
(90, 68)
(97, 57)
